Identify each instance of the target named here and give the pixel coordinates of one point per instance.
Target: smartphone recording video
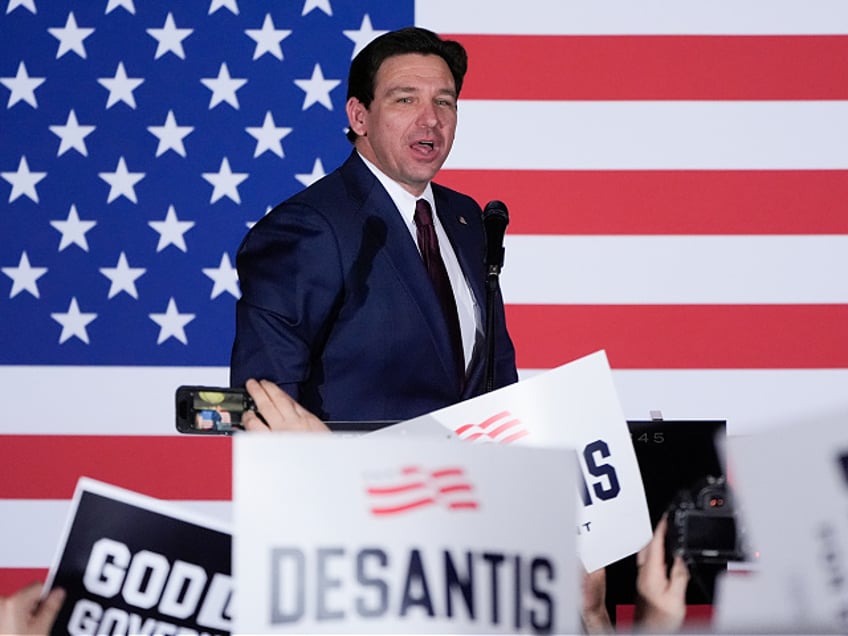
(211, 410)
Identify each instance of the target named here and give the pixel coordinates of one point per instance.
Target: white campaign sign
(791, 483)
(382, 535)
(573, 406)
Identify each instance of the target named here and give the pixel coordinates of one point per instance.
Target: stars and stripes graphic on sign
(413, 487)
(676, 175)
(502, 428)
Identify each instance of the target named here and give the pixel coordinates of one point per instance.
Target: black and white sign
(132, 564)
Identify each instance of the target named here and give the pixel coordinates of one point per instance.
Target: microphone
(495, 220)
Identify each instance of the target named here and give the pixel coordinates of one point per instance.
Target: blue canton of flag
(139, 141)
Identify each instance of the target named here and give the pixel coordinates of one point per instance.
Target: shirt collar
(403, 200)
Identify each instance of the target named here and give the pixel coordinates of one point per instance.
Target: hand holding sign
(23, 613)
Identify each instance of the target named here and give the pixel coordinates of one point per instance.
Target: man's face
(408, 130)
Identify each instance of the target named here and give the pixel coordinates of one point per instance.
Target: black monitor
(677, 458)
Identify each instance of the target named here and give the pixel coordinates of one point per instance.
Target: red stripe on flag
(514, 437)
(13, 579)
(391, 510)
(655, 67)
(682, 336)
(662, 201)
(393, 490)
(448, 472)
(488, 422)
(697, 616)
(446, 490)
(181, 468)
(485, 424)
(504, 427)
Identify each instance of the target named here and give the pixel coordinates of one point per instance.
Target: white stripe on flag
(651, 135)
(554, 270)
(744, 397)
(42, 522)
(749, 399)
(650, 17)
(98, 400)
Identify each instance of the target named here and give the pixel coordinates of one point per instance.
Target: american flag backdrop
(676, 175)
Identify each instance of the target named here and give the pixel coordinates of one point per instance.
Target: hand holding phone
(205, 410)
(280, 412)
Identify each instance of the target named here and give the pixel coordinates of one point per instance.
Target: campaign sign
(791, 484)
(575, 406)
(131, 564)
(387, 535)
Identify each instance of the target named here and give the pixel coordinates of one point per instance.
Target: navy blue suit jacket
(338, 310)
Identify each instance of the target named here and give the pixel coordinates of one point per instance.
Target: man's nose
(429, 115)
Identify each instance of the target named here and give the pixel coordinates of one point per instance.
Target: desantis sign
(389, 535)
(130, 564)
(574, 406)
(791, 482)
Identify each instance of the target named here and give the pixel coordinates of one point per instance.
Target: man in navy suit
(337, 307)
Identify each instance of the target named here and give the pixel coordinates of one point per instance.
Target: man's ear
(356, 116)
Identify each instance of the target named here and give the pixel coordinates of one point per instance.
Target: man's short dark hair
(363, 69)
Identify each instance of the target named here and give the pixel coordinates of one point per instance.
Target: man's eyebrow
(402, 89)
(414, 89)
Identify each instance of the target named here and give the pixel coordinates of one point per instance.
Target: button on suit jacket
(338, 310)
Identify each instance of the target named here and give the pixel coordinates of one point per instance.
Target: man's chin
(428, 168)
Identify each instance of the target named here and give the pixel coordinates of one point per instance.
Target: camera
(207, 410)
(702, 525)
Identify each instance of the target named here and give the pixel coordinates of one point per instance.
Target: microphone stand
(495, 220)
(492, 282)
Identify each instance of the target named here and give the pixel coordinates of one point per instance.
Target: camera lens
(712, 497)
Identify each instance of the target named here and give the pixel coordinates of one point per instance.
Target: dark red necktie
(429, 246)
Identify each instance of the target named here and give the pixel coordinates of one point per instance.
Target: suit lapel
(463, 233)
(402, 254)
(465, 242)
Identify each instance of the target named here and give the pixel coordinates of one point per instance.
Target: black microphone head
(495, 220)
(496, 211)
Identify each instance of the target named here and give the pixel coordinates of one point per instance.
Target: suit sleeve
(291, 280)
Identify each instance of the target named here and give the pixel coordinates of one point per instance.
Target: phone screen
(211, 410)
